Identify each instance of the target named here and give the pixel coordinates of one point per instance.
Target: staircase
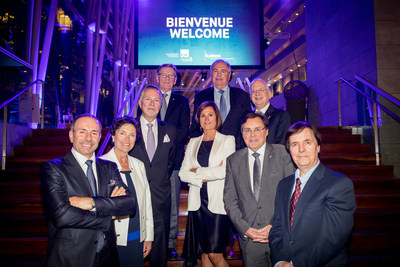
(374, 241)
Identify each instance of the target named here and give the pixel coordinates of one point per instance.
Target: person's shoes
(229, 252)
(172, 254)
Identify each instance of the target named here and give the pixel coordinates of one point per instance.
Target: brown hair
(205, 105)
(297, 128)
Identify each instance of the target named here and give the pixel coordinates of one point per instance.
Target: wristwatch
(93, 204)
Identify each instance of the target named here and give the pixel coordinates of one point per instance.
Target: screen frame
(261, 46)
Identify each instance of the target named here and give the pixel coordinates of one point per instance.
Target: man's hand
(84, 203)
(284, 264)
(118, 191)
(146, 248)
(259, 235)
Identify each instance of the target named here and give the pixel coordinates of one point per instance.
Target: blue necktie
(222, 105)
(92, 182)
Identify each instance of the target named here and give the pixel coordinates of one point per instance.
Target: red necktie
(293, 201)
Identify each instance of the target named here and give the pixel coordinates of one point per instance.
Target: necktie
(92, 182)
(222, 105)
(293, 200)
(151, 144)
(256, 175)
(163, 107)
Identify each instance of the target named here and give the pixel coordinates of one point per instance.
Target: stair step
(378, 201)
(61, 140)
(53, 151)
(345, 148)
(371, 185)
(328, 138)
(376, 220)
(374, 243)
(348, 159)
(13, 206)
(333, 130)
(23, 226)
(363, 171)
(26, 162)
(20, 175)
(28, 189)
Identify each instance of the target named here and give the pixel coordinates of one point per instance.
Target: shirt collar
(306, 176)
(81, 158)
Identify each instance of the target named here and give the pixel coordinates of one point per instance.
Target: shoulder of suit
(57, 161)
(239, 155)
(179, 96)
(204, 91)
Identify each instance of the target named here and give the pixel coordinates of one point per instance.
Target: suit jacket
(73, 232)
(222, 147)
(160, 168)
(242, 207)
(240, 106)
(322, 221)
(139, 180)
(178, 115)
(278, 124)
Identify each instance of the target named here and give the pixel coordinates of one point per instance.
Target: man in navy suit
(174, 110)
(313, 208)
(82, 195)
(232, 102)
(278, 119)
(156, 149)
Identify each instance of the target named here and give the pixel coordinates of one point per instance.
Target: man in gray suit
(252, 176)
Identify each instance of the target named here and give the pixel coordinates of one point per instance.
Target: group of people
(247, 169)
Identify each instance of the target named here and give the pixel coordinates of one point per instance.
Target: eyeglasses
(255, 130)
(169, 75)
(261, 90)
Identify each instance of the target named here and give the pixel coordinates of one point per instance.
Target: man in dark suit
(81, 195)
(175, 111)
(278, 119)
(313, 208)
(156, 149)
(252, 175)
(232, 102)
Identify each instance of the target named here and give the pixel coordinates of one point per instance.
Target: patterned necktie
(151, 143)
(293, 200)
(222, 105)
(256, 175)
(163, 107)
(92, 182)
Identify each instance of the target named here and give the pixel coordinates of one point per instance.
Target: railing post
(376, 139)
(339, 102)
(4, 153)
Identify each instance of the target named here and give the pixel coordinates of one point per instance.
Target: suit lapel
(269, 111)
(76, 173)
(102, 188)
(266, 170)
(161, 134)
(171, 106)
(308, 191)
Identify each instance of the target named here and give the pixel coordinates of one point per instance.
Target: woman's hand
(193, 170)
(146, 248)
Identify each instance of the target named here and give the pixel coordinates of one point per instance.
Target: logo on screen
(184, 52)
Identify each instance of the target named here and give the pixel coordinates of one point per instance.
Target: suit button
(96, 242)
(259, 224)
(258, 207)
(119, 220)
(118, 235)
(291, 242)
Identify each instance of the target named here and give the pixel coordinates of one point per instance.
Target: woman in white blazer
(135, 233)
(203, 168)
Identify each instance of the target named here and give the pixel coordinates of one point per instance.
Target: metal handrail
(375, 104)
(4, 104)
(20, 93)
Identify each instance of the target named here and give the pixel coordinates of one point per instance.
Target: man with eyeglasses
(156, 149)
(232, 102)
(252, 176)
(278, 119)
(174, 110)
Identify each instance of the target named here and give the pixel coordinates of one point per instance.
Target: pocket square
(166, 139)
